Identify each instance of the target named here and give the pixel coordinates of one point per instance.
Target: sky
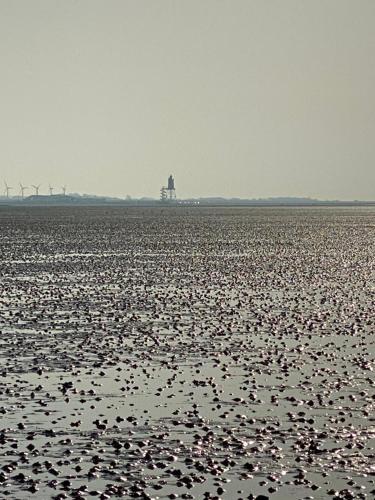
(235, 98)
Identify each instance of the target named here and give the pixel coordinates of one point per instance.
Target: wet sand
(187, 353)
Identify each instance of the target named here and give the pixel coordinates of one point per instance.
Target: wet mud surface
(187, 353)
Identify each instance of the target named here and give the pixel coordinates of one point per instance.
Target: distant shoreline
(92, 202)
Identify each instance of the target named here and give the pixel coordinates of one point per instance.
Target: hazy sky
(248, 98)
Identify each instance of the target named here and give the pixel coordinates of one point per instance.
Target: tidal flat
(187, 353)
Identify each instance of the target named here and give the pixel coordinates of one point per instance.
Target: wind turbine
(50, 188)
(7, 189)
(36, 187)
(22, 190)
(64, 190)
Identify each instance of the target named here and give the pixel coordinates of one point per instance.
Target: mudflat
(187, 352)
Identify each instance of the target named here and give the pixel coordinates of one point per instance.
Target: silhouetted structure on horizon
(168, 193)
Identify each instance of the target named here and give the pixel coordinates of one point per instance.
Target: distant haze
(234, 97)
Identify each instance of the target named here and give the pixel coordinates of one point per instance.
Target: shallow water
(154, 352)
